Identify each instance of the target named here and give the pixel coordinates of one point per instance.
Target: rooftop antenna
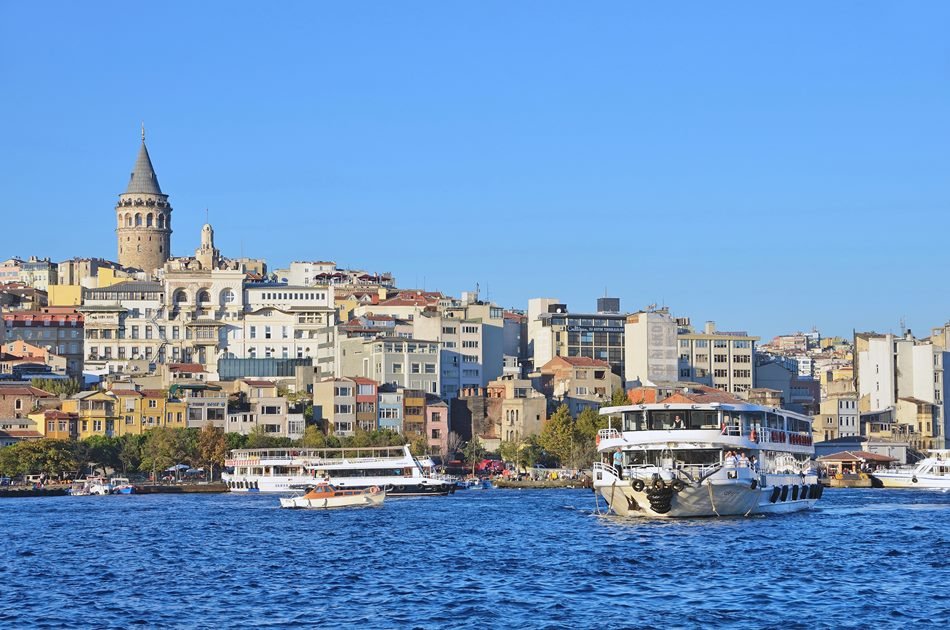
(143, 131)
(903, 326)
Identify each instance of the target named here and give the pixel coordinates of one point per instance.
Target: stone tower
(144, 218)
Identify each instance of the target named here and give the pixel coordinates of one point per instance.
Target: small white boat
(90, 486)
(930, 473)
(324, 496)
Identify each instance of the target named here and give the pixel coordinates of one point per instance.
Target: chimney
(710, 327)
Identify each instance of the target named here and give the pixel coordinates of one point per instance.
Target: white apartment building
(725, 360)
(650, 348)
(410, 363)
(471, 338)
(286, 322)
(891, 369)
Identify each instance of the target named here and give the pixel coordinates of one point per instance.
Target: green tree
(103, 452)
(258, 438)
(557, 435)
(473, 452)
(588, 423)
(419, 445)
(509, 451)
(619, 398)
(165, 447)
(53, 457)
(212, 448)
(58, 386)
(235, 440)
(313, 437)
(130, 452)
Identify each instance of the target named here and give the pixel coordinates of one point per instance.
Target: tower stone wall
(143, 218)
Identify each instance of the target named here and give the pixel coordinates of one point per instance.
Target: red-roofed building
(59, 331)
(18, 430)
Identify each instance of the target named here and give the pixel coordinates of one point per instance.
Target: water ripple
(532, 559)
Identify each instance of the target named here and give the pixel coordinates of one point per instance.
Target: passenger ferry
(701, 452)
(930, 473)
(283, 470)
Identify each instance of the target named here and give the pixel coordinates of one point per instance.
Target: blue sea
(497, 558)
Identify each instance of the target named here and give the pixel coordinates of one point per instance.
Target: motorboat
(930, 473)
(284, 469)
(90, 486)
(705, 453)
(121, 485)
(326, 496)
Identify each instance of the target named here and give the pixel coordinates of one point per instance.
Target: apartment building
(553, 331)
(724, 360)
(409, 363)
(578, 382)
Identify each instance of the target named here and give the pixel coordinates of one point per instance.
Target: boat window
(775, 421)
(756, 419)
(703, 419)
(662, 420)
(633, 421)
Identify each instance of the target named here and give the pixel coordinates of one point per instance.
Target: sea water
(502, 558)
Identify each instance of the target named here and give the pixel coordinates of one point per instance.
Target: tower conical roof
(143, 179)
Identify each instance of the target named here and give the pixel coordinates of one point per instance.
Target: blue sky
(770, 166)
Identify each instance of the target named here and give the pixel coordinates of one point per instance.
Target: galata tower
(144, 218)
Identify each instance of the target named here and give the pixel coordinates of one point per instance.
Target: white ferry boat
(930, 473)
(700, 452)
(283, 470)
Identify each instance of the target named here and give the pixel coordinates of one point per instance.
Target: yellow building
(65, 295)
(95, 412)
(139, 411)
(124, 412)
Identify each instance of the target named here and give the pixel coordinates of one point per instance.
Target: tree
(509, 451)
(258, 438)
(313, 437)
(473, 452)
(588, 423)
(557, 435)
(212, 448)
(619, 398)
(53, 457)
(130, 452)
(235, 440)
(57, 386)
(103, 451)
(453, 443)
(419, 445)
(165, 447)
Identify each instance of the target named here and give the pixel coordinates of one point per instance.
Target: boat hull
(915, 482)
(366, 499)
(394, 485)
(724, 497)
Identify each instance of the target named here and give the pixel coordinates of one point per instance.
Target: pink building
(437, 425)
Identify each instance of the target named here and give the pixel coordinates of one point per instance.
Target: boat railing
(608, 434)
(600, 467)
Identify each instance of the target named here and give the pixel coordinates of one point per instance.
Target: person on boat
(678, 423)
(618, 459)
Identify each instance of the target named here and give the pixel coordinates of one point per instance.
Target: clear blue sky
(771, 166)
